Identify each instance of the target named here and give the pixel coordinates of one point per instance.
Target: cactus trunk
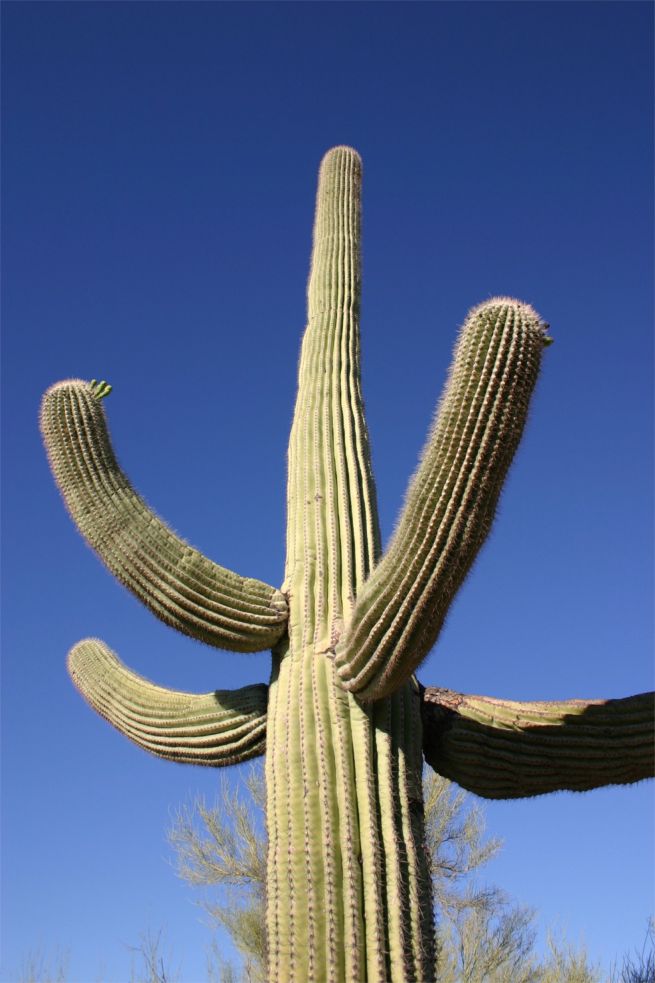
(348, 885)
(348, 878)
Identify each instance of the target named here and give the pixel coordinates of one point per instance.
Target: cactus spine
(344, 721)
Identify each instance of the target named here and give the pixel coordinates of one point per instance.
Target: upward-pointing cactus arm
(451, 501)
(220, 728)
(503, 749)
(176, 582)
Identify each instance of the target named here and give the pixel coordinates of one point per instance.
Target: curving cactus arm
(451, 501)
(176, 582)
(503, 749)
(220, 728)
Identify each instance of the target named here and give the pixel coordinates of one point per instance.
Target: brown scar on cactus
(344, 723)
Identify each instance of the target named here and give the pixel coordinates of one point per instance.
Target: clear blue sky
(159, 174)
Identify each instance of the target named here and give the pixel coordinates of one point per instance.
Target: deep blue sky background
(159, 169)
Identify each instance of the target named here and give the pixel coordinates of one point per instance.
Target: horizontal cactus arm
(502, 749)
(177, 583)
(219, 728)
(451, 501)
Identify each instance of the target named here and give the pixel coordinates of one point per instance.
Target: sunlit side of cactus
(344, 722)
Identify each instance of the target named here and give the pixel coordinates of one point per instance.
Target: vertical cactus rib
(176, 582)
(215, 729)
(371, 853)
(420, 929)
(330, 843)
(504, 749)
(396, 900)
(451, 501)
(347, 823)
(277, 912)
(290, 868)
(408, 902)
(309, 875)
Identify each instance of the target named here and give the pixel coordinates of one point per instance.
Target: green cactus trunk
(348, 877)
(344, 722)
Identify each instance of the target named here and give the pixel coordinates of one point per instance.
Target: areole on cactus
(344, 723)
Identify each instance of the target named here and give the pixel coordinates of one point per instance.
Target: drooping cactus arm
(176, 582)
(501, 749)
(220, 728)
(451, 501)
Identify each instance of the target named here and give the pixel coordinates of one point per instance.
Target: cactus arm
(176, 582)
(501, 749)
(220, 728)
(451, 501)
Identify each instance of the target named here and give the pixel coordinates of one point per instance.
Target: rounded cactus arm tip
(212, 729)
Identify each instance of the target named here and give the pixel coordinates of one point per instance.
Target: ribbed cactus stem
(332, 534)
(348, 885)
(219, 728)
(451, 501)
(180, 585)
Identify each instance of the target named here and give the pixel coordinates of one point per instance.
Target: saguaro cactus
(344, 722)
